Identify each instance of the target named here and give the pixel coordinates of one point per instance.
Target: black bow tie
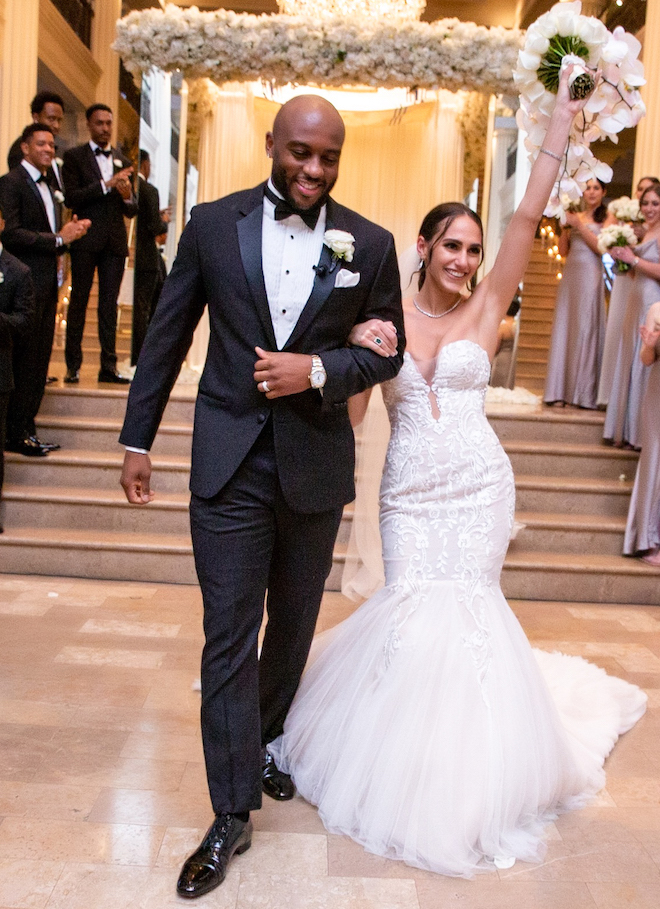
(284, 209)
(42, 178)
(103, 151)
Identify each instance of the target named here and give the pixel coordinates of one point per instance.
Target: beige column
(104, 23)
(647, 144)
(18, 68)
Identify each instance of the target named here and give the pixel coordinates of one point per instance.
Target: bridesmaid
(578, 330)
(617, 310)
(643, 527)
(630, 377)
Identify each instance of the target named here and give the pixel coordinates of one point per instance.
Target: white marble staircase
(65, 514)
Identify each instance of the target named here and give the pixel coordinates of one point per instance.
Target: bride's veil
(363, 571)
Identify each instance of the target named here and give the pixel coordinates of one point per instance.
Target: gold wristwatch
(318, 374)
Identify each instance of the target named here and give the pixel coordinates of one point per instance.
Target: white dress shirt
(290, 250)
(44, 192)
(105, 164)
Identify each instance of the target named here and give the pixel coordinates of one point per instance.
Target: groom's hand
(283, 373)
(135, 478)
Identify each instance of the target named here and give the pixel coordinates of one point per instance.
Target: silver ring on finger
(264, 386)
(378, 341)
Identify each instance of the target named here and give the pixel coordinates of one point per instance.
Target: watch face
(317, 378)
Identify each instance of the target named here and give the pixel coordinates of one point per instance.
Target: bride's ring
(264, 386)
(378, 341)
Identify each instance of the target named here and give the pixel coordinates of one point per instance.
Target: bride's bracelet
(546, 151)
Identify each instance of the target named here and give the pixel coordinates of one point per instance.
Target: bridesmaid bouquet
(560, 37)
(617, 235)
(626, 209)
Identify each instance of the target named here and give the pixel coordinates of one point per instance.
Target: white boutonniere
(118, 163)
(341, 243)
(59, 162)
(2, 277)
(58, 196)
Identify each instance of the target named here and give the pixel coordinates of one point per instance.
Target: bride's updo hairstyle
(436, 224)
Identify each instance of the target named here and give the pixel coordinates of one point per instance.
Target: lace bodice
(447, 489)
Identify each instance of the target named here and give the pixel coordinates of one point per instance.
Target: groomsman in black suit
(97, 186)
(35, 235)
(47, 108)
(152, 222)
(273, 450)
(16, 318)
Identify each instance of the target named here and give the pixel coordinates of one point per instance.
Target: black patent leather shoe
(72, 377)
(113, 377)
(27, 446)
(47, 446)
(274, 782)
(206, 868)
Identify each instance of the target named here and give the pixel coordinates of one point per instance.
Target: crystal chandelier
(392, 11)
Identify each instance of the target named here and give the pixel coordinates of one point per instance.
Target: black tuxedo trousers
(247, 539)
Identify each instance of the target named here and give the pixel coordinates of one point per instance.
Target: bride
(426, 727)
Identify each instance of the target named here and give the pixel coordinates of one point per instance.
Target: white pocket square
(346, 278)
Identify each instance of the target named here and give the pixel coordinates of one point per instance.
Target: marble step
(92, 470)
(99, 510)
(575, 578)
(110, 403)
(573, 495)
(533, 366)
(568, 533)
(97, 434)
(571, 460)
(168, 558)
(551, 425)
(110, 555)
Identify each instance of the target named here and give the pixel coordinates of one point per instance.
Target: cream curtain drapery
(395, 165)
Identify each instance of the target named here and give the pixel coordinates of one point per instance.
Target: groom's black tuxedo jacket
(219, 265)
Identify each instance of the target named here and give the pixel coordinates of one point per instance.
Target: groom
(273, 450)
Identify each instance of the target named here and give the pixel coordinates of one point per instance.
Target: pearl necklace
(435, 315)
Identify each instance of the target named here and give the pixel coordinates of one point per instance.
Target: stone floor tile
(106, 656)
(75, 841)
(157, 745)
(295, 816)
(56, 802)
(28, 884)
(135, 806)
(35, 714)
(630, 792)
(482, 893)
(98, 886)
(258, 891)
(112, 772)
(130, 629)
(631, 895)
(586, 863)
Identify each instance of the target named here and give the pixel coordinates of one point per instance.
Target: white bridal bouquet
(625, 209)
(560, 37)
(617, 235)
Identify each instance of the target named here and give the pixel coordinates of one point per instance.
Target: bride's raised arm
(501, 283)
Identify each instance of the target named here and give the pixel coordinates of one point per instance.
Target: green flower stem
(548, 71)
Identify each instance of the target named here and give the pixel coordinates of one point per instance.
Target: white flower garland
(563, 35)
(226, 46)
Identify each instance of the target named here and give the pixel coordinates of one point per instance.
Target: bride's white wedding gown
(426, 727)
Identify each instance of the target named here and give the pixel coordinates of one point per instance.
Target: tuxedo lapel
(324, 282)
(249, 240)
(94, 162)
(35, 190)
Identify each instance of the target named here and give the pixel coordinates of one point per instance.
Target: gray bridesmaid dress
(643, 527)
(578, 330)
(615, 315)
(630, 376)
